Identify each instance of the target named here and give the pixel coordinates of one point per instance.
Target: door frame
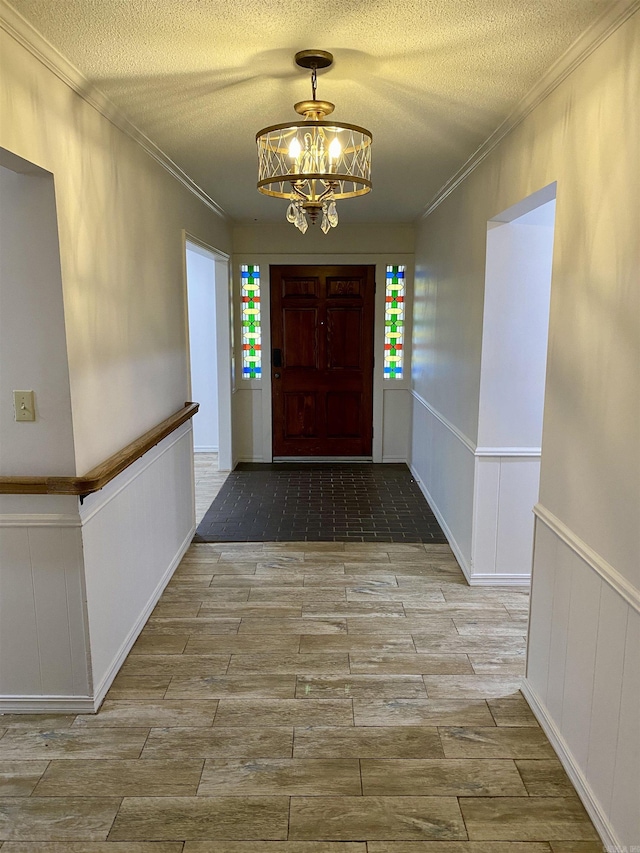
(223, 303)
(261, 405)
(379, 261)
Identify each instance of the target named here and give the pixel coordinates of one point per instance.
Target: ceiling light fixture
(315, 162)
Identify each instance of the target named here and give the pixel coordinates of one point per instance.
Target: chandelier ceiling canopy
(313, 162)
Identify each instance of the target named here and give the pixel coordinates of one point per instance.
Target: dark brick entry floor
(289, 502)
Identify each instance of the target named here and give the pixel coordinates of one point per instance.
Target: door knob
(276, 376)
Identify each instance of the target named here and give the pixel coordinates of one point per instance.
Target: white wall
(201, 288)
(121, 217)
(43, 638)
(79, 588)
(348, 244)
(515, 330)
(512, 379)
(33, 353)
(585, 136)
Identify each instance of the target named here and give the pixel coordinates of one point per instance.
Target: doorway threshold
(319, 459)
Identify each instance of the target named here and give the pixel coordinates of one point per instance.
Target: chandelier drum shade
(312, 162)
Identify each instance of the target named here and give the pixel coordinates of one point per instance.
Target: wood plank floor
(303, 698)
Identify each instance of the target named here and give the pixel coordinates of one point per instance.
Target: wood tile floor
(208, 481)
(303, 698)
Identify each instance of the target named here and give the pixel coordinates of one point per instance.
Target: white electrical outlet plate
(24, 405)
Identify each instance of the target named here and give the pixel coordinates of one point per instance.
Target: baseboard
(457, 551)
(496, 579)
(394, 460)
(101, 690)
(583, 789)
(46, 705)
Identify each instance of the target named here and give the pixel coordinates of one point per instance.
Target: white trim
(127, 477)
(101, 690)
(208, 250)
(26, 34)
(205, 448)
(40, 520)
(508, 451)
(498, 579)
(457, 551)
(581, 49)
(394, 460)
(470, 445)
(606, 571)
(574, 772)
(46, 705)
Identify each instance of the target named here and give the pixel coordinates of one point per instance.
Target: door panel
(299, 415)
(344, 336)
(300, 337)
(292, 286)
(343, 414)
(322, 322)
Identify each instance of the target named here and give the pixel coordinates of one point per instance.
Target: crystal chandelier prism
(314, 163)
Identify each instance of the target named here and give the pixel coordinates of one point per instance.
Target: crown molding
(13, 23)
(616, 15)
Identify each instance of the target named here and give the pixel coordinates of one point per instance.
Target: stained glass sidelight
(251, 340)
(394, 322)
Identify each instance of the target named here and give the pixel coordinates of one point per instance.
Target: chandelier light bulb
(295, 149)
(335, 149)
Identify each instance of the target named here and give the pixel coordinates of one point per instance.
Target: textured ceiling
(431, 80)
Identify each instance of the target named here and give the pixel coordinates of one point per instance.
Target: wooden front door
(322, 360)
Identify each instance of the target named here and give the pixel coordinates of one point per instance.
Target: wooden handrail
(99, 476)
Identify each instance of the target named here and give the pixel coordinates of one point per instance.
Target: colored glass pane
(394, 322)
(251, 334)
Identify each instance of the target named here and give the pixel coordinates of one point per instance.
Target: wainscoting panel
(135, 532)
(506, 490)
(583, 679)
(442, 462)
(396, 420)
(43, 639)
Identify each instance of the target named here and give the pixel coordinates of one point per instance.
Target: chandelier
(313, 162)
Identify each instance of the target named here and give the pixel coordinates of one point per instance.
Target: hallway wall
(120, 222)
(83, 578)
(582, 672)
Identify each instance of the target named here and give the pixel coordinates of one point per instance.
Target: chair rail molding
(508, 451)
(599, 565)
(466, 441)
